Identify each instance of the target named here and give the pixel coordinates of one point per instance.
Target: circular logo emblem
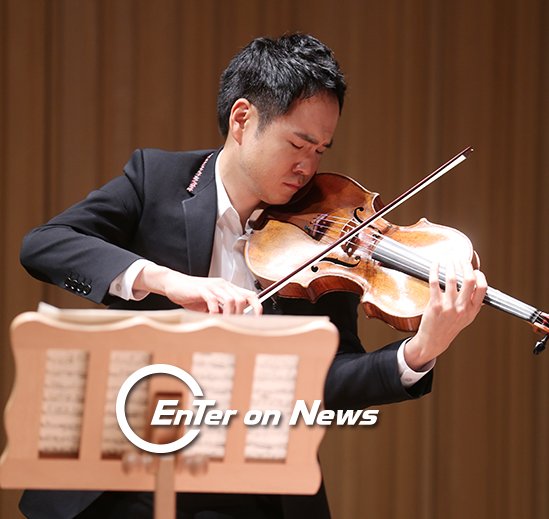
(134, 378)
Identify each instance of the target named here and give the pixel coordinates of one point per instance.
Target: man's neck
(236, 191)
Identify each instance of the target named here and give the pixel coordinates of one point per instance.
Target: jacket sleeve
(357, 379)
(85, 247)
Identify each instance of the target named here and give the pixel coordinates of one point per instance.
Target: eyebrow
(312, 140)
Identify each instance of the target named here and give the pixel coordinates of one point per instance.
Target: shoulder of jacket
(147, 161)
(156, 154)
(162, 162)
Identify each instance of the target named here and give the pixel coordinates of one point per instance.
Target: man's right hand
(213, 295)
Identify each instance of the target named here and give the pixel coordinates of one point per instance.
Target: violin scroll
(541, 325)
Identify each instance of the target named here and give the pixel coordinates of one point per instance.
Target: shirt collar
(226, 213)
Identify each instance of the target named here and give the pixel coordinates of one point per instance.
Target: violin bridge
(351, 246)
(318, 227)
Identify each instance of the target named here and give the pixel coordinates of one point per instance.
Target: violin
(332, 237)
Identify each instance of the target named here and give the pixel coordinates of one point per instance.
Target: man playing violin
(170, 231)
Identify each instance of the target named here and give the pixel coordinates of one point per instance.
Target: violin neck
(393, 254)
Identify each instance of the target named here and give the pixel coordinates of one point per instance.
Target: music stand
(60, 424)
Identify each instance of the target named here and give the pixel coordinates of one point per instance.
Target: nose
(306, 167)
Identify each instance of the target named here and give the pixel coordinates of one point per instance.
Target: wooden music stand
(60, 423)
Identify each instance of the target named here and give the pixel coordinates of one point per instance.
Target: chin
(281, 200)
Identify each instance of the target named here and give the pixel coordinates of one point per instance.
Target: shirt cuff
(408, 377)
(122, 285)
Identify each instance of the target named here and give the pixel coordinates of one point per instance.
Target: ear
(241, 114)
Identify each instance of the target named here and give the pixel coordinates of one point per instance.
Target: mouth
(294, 187)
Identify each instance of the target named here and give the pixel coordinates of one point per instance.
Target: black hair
(273, 73)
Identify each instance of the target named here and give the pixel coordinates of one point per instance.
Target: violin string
(420, 268)
(493, 297)
(403, 258)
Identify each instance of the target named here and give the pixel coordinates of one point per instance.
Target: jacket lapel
(200, 213)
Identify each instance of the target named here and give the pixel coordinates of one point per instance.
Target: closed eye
(295, 145)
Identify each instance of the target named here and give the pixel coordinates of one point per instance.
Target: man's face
(282, 157)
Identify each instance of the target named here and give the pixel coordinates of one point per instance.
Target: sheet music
(214, 372)
(122, 364)
(63, 401)
(273, 388)
(65, 385)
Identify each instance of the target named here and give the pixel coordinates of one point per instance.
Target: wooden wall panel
(540, 253)
(156, 44)
(199, 65)
(84, 82)
(116, 55)
(22, 174)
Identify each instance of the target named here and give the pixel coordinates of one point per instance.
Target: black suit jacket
(164, 209)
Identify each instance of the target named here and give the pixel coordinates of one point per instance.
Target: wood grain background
(84, 82)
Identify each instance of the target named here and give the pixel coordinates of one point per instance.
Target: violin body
(330, 206)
